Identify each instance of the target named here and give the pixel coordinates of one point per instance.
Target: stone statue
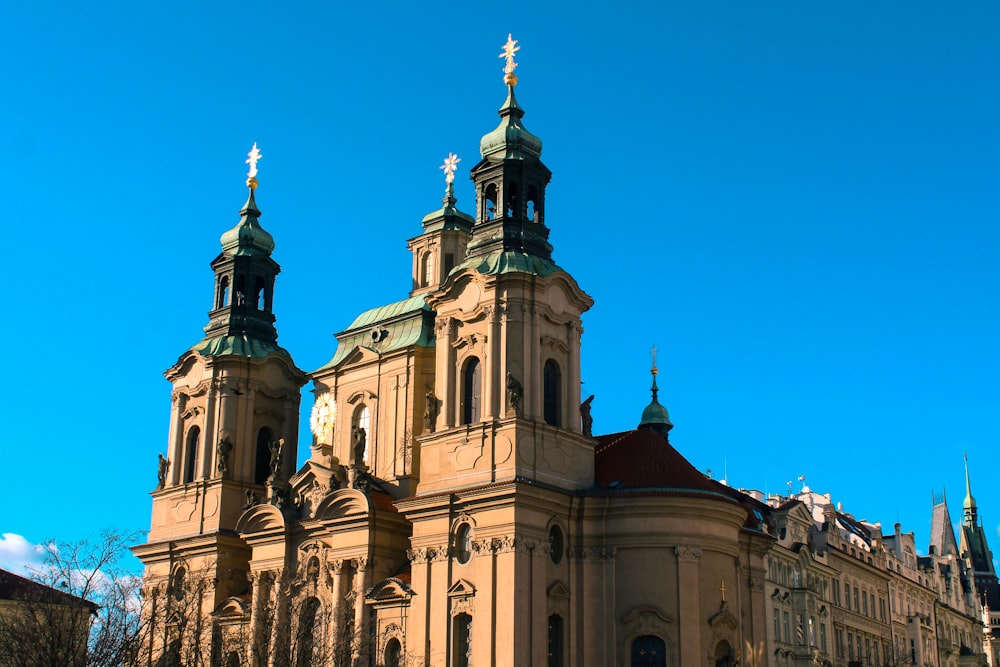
(161, 471)
(430, 410)
(222, 456)
(359, 446)
(586, 420)
(514, 394)
(276, 446)
(251, 500)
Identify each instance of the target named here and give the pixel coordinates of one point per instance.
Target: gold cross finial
(252, 157)
(723, 589)
(652, 353)
(509, 49)
(449, 167)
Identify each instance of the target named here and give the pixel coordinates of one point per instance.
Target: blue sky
(795, 202)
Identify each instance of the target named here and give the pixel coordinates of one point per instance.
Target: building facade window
(552, 392)
(191, 454)
(463, 543)
(461, 649)
(555, 648)
(472, 388)
(361, 434)
(262, 462)
(556, 544)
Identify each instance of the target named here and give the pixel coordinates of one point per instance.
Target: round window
(556, 546)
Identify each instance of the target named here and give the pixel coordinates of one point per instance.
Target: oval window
(556, 546)
(463, 543)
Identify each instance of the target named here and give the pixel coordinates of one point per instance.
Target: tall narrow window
(191, 454)
(472, 387)
(361, 433)
(461, 640)
(449, 262)
(552, 392)
(262, 464)
(426, 269)
(258, 293)
(222, 298)
(648, 651)
(393, 653)
(555, 641)
(310, 651)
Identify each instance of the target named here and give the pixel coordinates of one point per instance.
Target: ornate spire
(655, 416)
(969, 504)
(509, 49)
(244, 274)
(448, 217)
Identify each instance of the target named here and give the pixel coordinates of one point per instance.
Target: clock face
(324, 413)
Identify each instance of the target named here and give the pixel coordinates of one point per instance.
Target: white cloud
(17, 553)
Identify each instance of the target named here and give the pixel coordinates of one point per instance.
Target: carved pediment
(342, 503)
(233, 607)
(391, 589)
(461, 588)
(260, 518)
(723, 623)
(558, 590)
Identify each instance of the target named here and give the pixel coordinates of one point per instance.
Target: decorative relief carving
(688, 553)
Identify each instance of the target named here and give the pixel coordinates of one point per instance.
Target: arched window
(309, 643)
(222, 297)
(490, 202)
(648, 651)
(556, 641)
(552, 392)
(262, 462)
(472, 388)
(178, 583)
(426, 269)
(241, 291)
(191, 454)
(512, 201)
(532, 203)
(258, 293)
(461, 648)
(361, 433)
(392, 656)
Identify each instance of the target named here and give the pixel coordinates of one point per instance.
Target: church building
(455, 508)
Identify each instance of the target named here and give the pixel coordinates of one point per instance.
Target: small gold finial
(722, 588)
(252, 157)
(509, 49)
(652, 353)
(449, 167)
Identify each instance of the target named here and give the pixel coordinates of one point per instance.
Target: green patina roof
(238, 345)
(509, 261)
(408, 322)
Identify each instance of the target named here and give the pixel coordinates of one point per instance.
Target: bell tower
(508, 331)
(233, 424)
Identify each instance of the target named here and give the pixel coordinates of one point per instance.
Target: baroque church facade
(455, 508)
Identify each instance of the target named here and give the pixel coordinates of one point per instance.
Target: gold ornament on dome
(252, 157)
(324, 413)
(509, 49)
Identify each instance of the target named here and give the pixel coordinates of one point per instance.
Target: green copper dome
(655, 416)
(510, 140)
(247, 237)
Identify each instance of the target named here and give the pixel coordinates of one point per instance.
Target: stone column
(361, 575)
(337, 568)
(688, 604)
(205, 455)
(444, 373)
(493, 366)
(533, 372)
(174, 444)
(279, 627)
(246, 444)
(572, 401)
(539, 600)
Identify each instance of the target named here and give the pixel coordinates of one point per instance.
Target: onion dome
(655, 416)
(510, 139)
(248, 237)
